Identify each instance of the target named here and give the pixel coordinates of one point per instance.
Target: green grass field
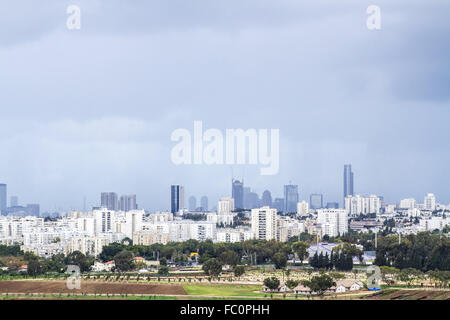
(224, 290)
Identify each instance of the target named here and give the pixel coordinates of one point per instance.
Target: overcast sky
(92, 110)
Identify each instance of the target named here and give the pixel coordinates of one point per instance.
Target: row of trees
(424, 252)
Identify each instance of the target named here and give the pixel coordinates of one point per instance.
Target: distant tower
(176, 198)
(316, 201)
(237, 193)
(14, 201)
(109, 200)
(3, 199)
(290, 198)
(266, 199)
(127, 203)
(348, 181)
(204, 203)
(192, 203)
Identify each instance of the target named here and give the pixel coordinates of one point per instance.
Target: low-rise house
(281, 288)
(23, 268)
(100, 266)
(345, 285)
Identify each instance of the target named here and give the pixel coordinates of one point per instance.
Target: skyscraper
(204, 203)
(33, 210)
(237, 193)
(176, 198)
(127, 203)
(109, 200)
(14, 201)
(278, 204)
(290, 198)
(3, 198)
(192, 203)
(348, 181)
(316, 201)
(266, 199)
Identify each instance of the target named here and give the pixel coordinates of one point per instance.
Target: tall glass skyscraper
(204, 203)
(266, 199)
(176, 198)
(237, 193)
(290, 198)
(316, 201)
(109, 200)
(3, 200)
(348, 181)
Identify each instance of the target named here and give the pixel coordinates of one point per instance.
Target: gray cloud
(92, 110)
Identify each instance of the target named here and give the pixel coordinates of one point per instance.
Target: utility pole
(376, 239)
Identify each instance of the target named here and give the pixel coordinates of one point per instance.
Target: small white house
(348, 285)
(100, 266)
(281, 288)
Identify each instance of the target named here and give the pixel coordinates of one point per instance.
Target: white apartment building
(133, 222)
(233, 235)
(104, 220)
(264, 223)
(302, 208)
(87, 245)
(409, 203)
(225, 205)
(333, 222)
(288, 227)
(429, 202)
(356, 204)
(434, 223)
(225, 219)
(159, 217)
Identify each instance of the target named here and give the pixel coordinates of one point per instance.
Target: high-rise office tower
(14, 201)
(290, 198)
(109, 200)
(348, 181)
(332, 205)
(278, 204)
(316, 201)
(237, 193)
(127, 203)
(192, 203)
(34, 210)
(176, 198)
(204, 203)
(3, 198)
(266, 199)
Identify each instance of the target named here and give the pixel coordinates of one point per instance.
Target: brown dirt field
(90, 287)
(412, 295)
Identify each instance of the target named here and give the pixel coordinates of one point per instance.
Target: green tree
(229, 257)
(280, 260)
(319, 284)
(272, 283)
(212, 267)
(300, 248)
(291, 284)
(34, 267)
(124, 261)
(239, 271)
(163, 270)
(79, 259)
